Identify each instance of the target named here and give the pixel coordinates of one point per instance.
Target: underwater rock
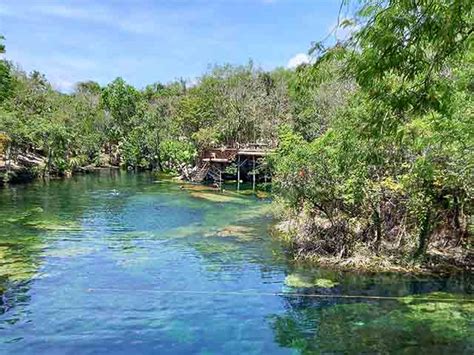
(301, 281)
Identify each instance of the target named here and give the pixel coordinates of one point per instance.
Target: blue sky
(146, 41)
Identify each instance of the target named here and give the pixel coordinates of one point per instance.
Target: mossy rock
(20, 217)
(216, 197)
(301, 281)
(235, 231)
(49, 225)
(325, 283)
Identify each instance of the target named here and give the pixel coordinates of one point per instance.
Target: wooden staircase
(202, 172)
(208, 170)
(216, 176)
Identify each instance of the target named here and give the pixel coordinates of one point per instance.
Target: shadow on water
(371, 326)
(121, 262)
(387, 314)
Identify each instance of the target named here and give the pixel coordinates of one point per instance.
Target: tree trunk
(424, 236)
(47, 168)
(8, 162)
(458, 223)
(378, 228)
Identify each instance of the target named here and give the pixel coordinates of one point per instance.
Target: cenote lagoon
(128, 263)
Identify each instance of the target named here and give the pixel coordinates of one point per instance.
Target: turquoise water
(128, 263)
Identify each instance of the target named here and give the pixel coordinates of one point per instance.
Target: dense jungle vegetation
(375, 136)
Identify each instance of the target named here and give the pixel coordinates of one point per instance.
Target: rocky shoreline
(28, 166)
(439, 261)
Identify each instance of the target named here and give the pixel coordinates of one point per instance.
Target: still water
(128, 263)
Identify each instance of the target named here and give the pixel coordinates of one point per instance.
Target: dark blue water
(129, 263)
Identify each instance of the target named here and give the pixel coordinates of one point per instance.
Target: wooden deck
(213, 162)
(227, 155)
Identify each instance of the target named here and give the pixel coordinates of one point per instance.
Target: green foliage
(160, 127)
(5, 75)
(392, 160)
(5, 81)
(319, 91)
(120, 103)
(88, 87)
(2, 46)
(177, 153)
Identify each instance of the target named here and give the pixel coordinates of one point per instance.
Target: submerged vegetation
(378, 326)
(109, 254)
(375, 136)
(303, 281)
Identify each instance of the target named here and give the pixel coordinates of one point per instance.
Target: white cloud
(298, 59)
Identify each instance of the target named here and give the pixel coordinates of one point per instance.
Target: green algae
(18, 270)
(242, 233)
(409, 323)
(21, 216)
(54, 225)
(298, 281)
(232, 221)
(217, 197)
(306, 325)
(303, 281)
(325, 283)
(219, 231)
(14, 267)
(206, 193)
(437, 296)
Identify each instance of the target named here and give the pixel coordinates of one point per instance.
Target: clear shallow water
(122, 263)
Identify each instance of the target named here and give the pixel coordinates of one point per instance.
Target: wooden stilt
(238, 173)
(220, 179)
(253, 187)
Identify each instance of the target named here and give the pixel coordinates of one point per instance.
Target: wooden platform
(214, 161)
(227, 155)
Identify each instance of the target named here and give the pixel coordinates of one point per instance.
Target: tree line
(121, 125)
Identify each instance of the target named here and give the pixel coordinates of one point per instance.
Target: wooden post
(220, 179)
(238, 172)
(253, 188)
(7, 158)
